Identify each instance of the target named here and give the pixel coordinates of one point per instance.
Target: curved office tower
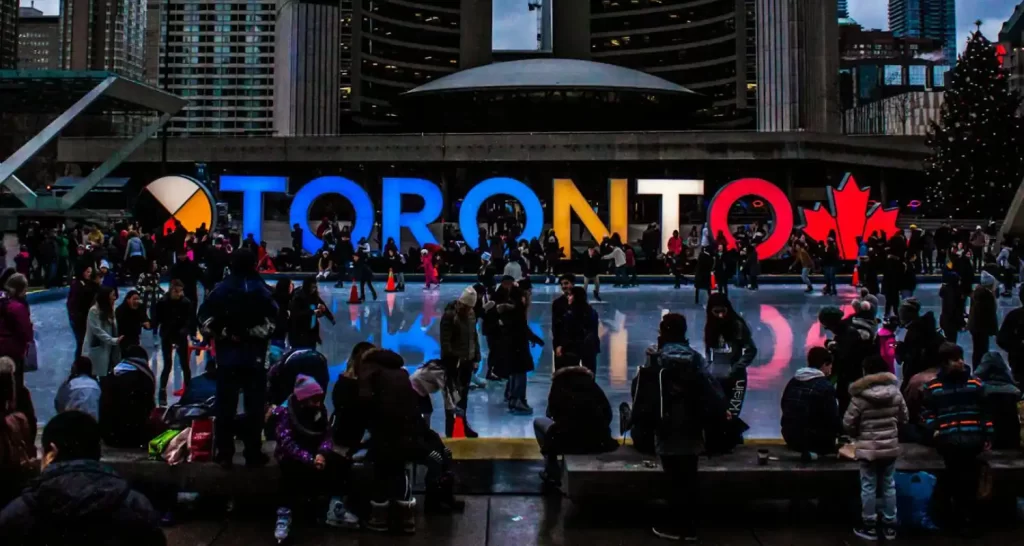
(699, 44)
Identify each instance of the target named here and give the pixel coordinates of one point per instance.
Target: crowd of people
(263, 345)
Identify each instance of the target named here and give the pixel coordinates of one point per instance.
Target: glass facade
(219, 55)
(8, 33)
(705, 46)
(402, 45)
(934, 19)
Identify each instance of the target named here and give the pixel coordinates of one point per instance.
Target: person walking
(174, 317)
(304, 313)
(361, 272)
(876, 411)
(803, 259)
(593, 265)
(16, 332)
(240, 314)
(577, 342)
(676, 399)
(460, 354)
(982, 321)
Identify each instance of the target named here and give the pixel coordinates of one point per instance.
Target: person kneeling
(578, 420)
(305, 455)
(810, 412)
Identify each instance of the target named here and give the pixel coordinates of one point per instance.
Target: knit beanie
(987, 280)
(306, 387)
(830, 316)
(468, 297)
(909, 310)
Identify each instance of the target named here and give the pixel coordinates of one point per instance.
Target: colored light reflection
(782, 213)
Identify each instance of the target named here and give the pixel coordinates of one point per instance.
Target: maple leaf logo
(849, 217)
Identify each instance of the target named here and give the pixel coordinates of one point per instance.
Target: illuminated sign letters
(848, 213)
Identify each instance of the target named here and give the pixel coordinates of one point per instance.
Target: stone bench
(626, 474)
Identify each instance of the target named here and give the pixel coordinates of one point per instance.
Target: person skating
(876, 411)
(803, 259)
(577, 341)
(618, 258)
(16, 330)
(429, 271)
(396, 264)
(729, 350)
(304, 315)
(593, 265)
(951, 318)
(131, 318)
(702, 276)
(361, 272)
(175, 319)
(676, 399)
(515, 337)
(460, 353)
(81, 296)
(1011, 338)
(305, 456)
(76, 499)
(982, 321)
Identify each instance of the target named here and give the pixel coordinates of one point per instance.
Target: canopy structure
(73, 93)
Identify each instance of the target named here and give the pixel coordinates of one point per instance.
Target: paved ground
(782, 318)
(526, 521)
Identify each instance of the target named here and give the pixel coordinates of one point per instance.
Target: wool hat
(987, 279)
(104, 264)
(306, 387)
(909, 310)
(468, 297)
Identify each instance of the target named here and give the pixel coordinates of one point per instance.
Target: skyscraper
(307, 68)
(843, 9)
(935, 19)
(38, 40)
(8, 33)
(104, 35)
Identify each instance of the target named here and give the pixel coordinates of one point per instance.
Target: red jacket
(675, 246)
(15, 327)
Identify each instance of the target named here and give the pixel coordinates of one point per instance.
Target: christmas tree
(977, 159)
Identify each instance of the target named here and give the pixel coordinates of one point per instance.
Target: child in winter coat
(874, 415)
(305, 455)
(429, 273)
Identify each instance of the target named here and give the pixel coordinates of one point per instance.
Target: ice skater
(429, 273)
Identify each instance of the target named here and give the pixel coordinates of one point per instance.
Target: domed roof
(551, 74)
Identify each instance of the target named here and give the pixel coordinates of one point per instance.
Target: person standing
(174, 317)
(81, 296)
(618, 258)
(516, 361)
(806, 263)
(560, 308)
(131, 318)
(460, 353)
(702, 276)
(876, 411)
(829, 263)
(189, 273)
(1011, 338)
(240, 314)
(853, 340)
(954, 414)
(304, 314)
(951, 319)
(895, 274)
(677, 399)
(16, 333)
(978, 241)
(134, 255)
(982, 321)
(577, 341)
(675, 244)
(101, 338)
(361, 272)
(297, 235)
(729, 350)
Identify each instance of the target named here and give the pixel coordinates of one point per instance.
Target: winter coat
(887, 346)
(617, 256)
(432, 377)
(79, 502)
(188, 272)
(101, 342)
(299, 442)
(17, 454)
(676, 400)
(350, 419)
(982, 319)
(361, 271)
(952, 318)
(240, 314)
(876, 410)
(458, 337)
(919, 349)
(894, 271)
(954, 412)
(913, 393)
(126, 402)
(134, 248)
(514, 270)
(514, 338)
(593, 265)
(303, 324)
(581, 413)
(16, 332)
(1001, 398)
(978, 239)
(1011, 339)
(855, 340)
(702, 276)
(81, 393)
(130, 324)
(299, 361)
(810, 413)
(174, 318)
(579, 334)
(81, 296)
(392, 410)
(675, 245)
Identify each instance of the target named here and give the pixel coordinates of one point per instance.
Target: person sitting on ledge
(126, 401)
(76, 499)
(1001, 398)
(810, 412)
(578, 420)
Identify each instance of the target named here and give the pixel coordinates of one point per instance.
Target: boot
(441, 497)
(470, 433)
(284, 524)
(339, 516)
(406, 516)
(378, 520)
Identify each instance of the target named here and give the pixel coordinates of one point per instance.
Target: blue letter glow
(253, 188)
(344, 187)
(499, 186)
(394, 219)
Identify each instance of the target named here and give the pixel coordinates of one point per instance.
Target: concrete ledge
(627, 474)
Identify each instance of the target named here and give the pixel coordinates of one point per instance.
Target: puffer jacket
(1001, 398)
(876, 410)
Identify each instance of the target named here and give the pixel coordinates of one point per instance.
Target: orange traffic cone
(856, 276)
(714, 284)
(391, 281)
(353, 297)
(459, 429)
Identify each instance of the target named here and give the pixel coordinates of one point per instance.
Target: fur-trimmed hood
(569, 370)
(878, 387)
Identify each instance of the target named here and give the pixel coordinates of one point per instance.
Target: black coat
(581, 413)
(702, 277)
(1011, 340)
(174, 318)
(350, 418)
(952, 318)
(894, 272)
(281, 377)
(919, 349)
(303, 324)
(982, 319)
(80, 502)
(397, 429)
(593, 265)
(810, 413)
(129, 324)
(189, 273)
(126, 402)
(579, 333)
(514, 337)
